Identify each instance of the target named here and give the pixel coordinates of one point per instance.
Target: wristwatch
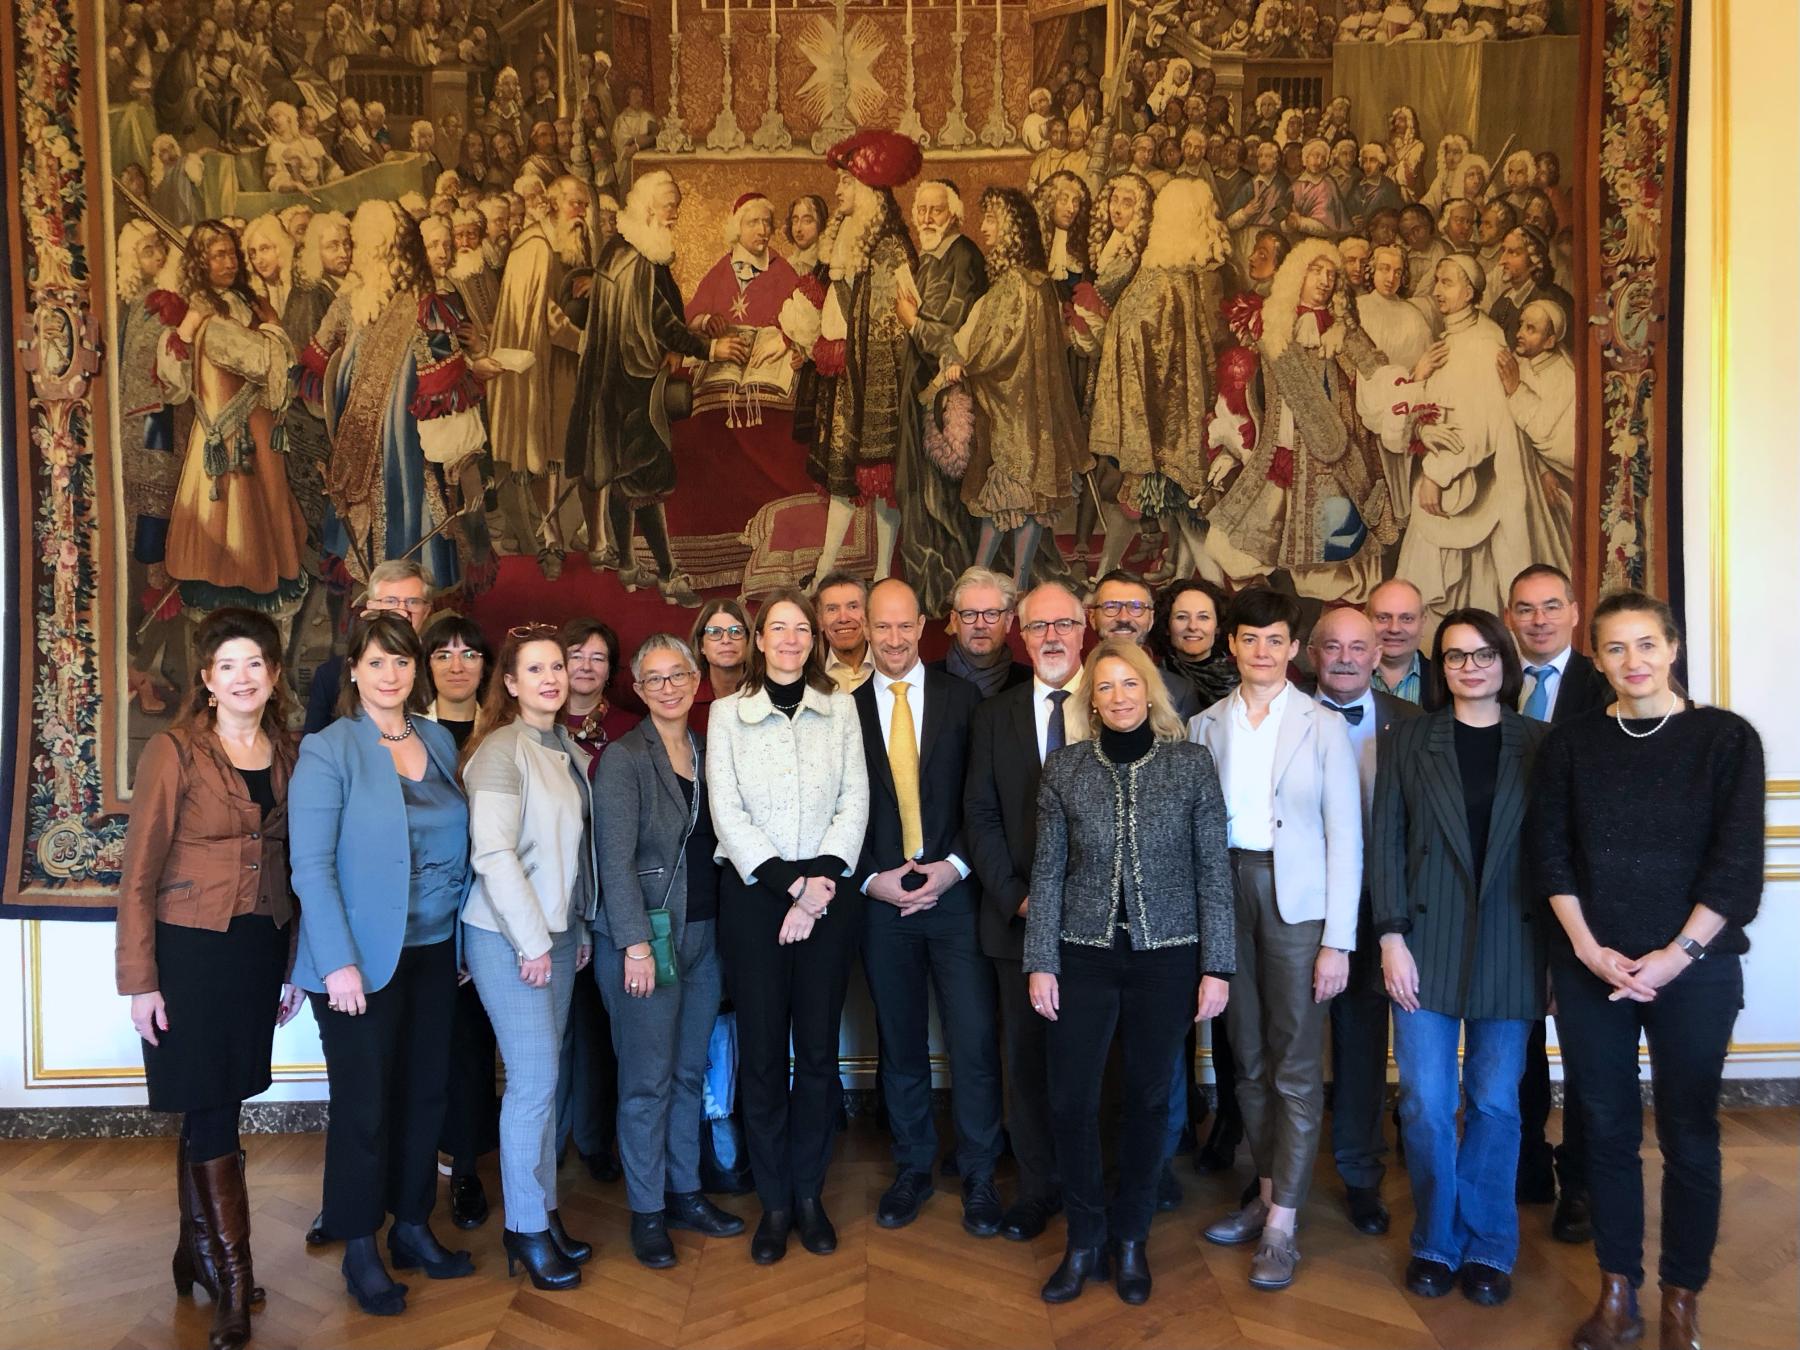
(1696, 951)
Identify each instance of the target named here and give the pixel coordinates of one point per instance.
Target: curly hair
(876, 215)
(1076, 240)
(390, 258)
(194, 280)
(1101, 228)
(1017, 241)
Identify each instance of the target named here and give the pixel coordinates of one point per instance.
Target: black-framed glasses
(1483, 657)
(736, 632)
(655, 684)
(982, 615)
(1113, 608)
(1038, 627)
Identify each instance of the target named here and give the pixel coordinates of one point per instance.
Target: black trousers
(472, 1106)
(1025, 1048)
(587, 1085)
(1536, 1156)
(1359, 1057)
(906, 959)
(1689, 1029)
(387, 1069)
(1148, 999)
(1228, 1121)
(787, 992)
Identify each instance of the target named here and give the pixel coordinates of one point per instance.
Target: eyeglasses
(1113, 608)
(655, 684)
(1038, 627)
(1483, 657)
(581, 658)
(735, 632)
(1550, 609)
(417, 604)
(981, 615)
(531, 630)
(443, 656)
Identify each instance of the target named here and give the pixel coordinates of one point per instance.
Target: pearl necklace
(1619, 717)
(403, 735)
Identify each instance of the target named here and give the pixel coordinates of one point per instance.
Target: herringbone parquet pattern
(86, 1227)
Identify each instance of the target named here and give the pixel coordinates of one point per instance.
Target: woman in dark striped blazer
(1462, 952)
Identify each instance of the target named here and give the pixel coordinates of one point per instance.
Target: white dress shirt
(1250, 773)
(915, 700)
(1559, 663)
(1042, 704)
(1362, 741)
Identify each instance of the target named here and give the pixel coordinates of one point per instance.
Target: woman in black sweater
(1647, 837)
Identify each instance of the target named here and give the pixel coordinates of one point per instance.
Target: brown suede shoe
(1680, 1318)
(1614, 1321)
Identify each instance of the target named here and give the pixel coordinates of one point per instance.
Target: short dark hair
(392, 633)
(1161, 646)
(837, 577)
(1263, 607)
(1633, 602)
(1495, 634)
(448, 626)
(1541, 570)
(578, 632)
(1122, 577)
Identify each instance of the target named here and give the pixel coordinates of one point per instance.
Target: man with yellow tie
(921, 932)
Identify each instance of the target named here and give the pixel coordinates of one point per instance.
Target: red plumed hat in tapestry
(879, 159)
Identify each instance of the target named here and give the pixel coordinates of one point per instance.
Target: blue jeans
(1462, 1192)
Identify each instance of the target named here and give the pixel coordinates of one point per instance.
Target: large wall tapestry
(607, 308)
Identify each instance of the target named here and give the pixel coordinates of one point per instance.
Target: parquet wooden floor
(86, 1227)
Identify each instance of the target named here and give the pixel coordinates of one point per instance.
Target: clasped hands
(812, 898)
(1637, 980)
(889, 887)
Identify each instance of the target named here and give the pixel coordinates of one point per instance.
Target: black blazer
(1582, 689)
(1000, 815)
(1017, 673)
(1421, 875)
(946, 708)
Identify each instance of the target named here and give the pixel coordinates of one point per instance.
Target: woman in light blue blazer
(379, 843)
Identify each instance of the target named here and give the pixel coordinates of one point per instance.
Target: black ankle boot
(693, 1211)
(1079, 1265)
(573, 1249)
(769, 1244)
(650, 1240)
(816, 1232)
(375, 1292)
(1131, 1271)
(412, 1245)
(537, 1253)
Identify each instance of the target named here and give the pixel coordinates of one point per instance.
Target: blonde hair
(1282, 306)
(1185, 229)
(1084, 722)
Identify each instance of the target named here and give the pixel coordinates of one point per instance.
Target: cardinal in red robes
(746, 287)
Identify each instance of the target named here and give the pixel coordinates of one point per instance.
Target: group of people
(1203, 820)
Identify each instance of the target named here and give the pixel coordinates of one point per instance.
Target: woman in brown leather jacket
(205, 936)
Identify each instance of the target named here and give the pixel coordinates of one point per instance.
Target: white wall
(64, 1037)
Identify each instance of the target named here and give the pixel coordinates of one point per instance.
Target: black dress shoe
(1028, 1217)
(573, 1249)
(1168, 1191)
(769, 1244)
(1429, 1279)
(602, 1166)
(1485, 1285)
(537, 1253)
(1367, 1213)
(901, 1202)
(1079, 1265)
(1572, 1222)
(981, 1208)
(468, 1202)
(1131, 1271)
(316, 1236)
(412, 1246)
(816, 1233)
(696, 1213)
(650, 1240)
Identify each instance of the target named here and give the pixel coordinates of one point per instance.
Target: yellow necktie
(903, 759)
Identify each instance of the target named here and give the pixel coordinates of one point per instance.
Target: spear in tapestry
(152, 217)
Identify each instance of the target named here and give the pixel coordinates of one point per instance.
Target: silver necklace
(1619, 717)
(403, 735)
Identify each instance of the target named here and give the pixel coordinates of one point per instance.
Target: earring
(212, 700)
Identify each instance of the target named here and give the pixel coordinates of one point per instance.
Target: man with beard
(543, 161)
(1540, 394)
(937, 536)
(981, 614)
(1525, 276)
(1124, 606)
(1306, 421)
(475, 282)
(620, 433)
(1400, 332)
(496, 215)
(529, 410)
(861, 347)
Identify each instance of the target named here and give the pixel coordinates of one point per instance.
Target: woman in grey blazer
(1130, 908)
(656, 854)
(378, 839)
(1462, 952)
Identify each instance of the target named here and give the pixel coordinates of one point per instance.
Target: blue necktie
(1058, 735)
(1537, 703)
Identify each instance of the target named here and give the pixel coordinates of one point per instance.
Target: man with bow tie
(746, 287)
(1343, 649)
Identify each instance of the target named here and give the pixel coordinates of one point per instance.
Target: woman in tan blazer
(205, 936)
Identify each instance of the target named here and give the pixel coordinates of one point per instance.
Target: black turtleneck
(785, 697)
(1127, 747)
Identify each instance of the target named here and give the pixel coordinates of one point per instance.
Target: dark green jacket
(1479, 942)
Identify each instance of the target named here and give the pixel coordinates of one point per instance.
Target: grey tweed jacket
(1149, 834)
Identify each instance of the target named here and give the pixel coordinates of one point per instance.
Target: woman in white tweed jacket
(790, 800)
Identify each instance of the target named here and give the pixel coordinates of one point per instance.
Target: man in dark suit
(1125, 606)
(1344, 648)
(981, 614)
(1560, 684)
(1398, 612)
(1011, 735)
(921, 923)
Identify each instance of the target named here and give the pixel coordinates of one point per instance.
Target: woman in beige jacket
(525, 926)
